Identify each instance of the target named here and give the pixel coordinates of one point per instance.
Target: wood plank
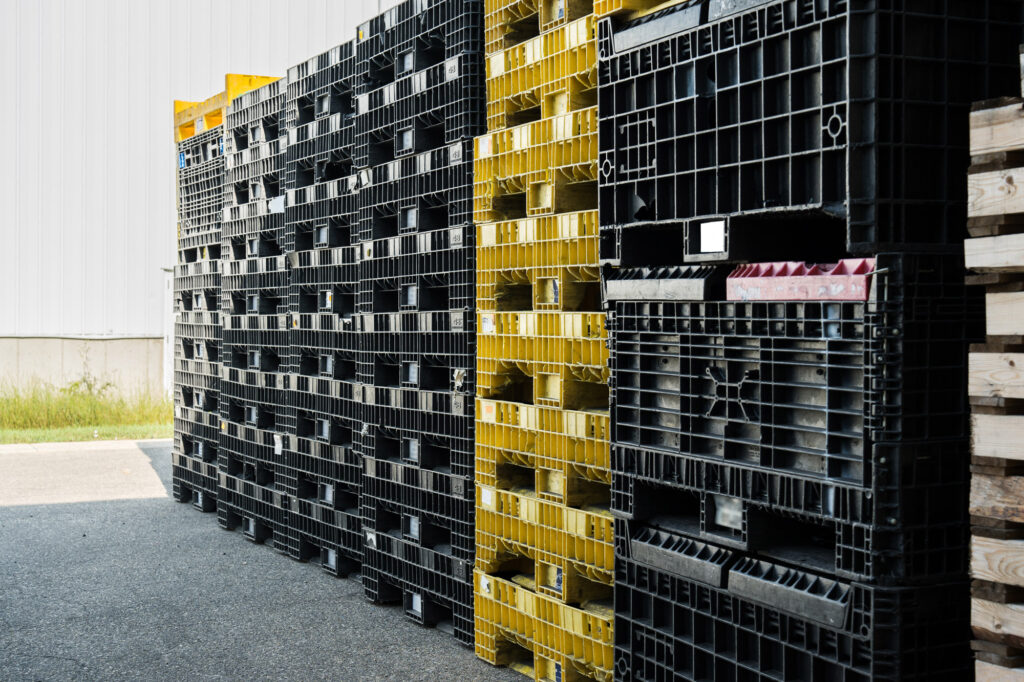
(997, 436)
(986, 672)
(992, 225)
(1003, 623)
(997, 592)
(1004, 281)
(1005, 313)
(997, 129)
(998, 561)
(995, 192)
(996, 375)
(995, 254)
(998, 497)
(995, 648)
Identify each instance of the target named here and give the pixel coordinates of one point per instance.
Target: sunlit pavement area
(104, 576)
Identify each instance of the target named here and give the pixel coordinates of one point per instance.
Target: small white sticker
(451, 69)
(278, 444)
(487, 498)
(487, 323)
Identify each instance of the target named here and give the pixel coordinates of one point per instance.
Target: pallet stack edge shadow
(625, 339)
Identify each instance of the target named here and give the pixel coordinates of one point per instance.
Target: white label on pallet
(451, 69)
(487, 323)
(487, 497)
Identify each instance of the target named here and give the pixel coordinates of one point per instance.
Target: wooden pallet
(995, 259)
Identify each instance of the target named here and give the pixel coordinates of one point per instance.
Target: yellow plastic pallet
(509, 22)
(568, 139)
(540, 636)
(634, 8)
(569, 551)
(543, 337)
(555, 72)
(569, 387)
(564, 447)
(192, 118)
(568, 189)
(538, 262)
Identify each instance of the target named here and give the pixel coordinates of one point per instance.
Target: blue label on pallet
(222, 146)
(181, 159)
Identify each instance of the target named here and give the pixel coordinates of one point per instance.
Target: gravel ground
(103, 576)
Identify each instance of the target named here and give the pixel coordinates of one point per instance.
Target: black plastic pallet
(259, 511)
(320, 397)
(424, 110)
(687, 612)
(725, 117)
(200, 188)
(442, 500)
(415, 35)
(800, 387)
(330, 536)
(911, 528)
(323, 445)
(194, 480)
(428, 192)
(429, 596)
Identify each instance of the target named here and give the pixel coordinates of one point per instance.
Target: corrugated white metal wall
(88, 175)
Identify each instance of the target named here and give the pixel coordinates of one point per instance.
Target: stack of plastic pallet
(545, 561)
(789, 440)
(419, 103)
(199, 134)
(994, 257)
(320, 226)
(254, 410)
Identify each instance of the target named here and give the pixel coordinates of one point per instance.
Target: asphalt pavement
(104, 576)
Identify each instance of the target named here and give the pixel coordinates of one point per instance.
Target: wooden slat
(995, 192)
(998, 497)
(997, 436)
(997, 129)
(998, 622)
(1004, 253)
(986, 672)
(999, 561)
(1005, 313)
(996, 375)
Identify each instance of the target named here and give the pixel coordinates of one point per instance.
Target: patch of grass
(40, 412)
(79, 433)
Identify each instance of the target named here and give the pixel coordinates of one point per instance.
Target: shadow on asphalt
(152, 589)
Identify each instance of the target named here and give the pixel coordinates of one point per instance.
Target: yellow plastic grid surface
(538, 635)
(634, 8)
(507, 22)
(558, 150)
(562, 446)
(555, 71)
(576, 339)
(551, 255)
(573, 548)
(570, 387)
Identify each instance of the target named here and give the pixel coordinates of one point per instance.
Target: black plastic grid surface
(826, 106)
